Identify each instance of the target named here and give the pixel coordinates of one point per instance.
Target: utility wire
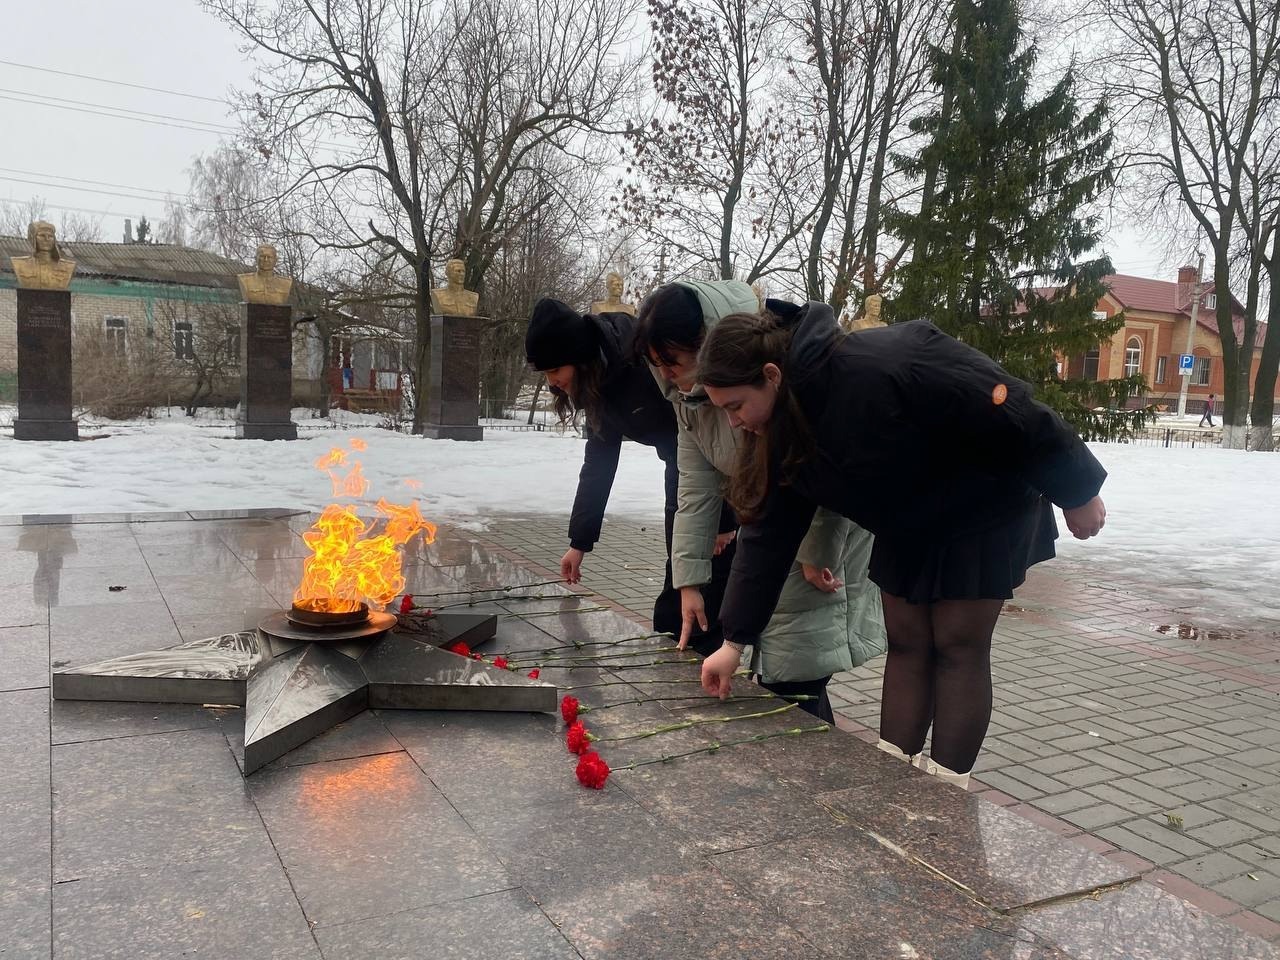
(118, 83)
(99, 183)
(114, 116)
(109, 106)
(58, 206)
(67, 186)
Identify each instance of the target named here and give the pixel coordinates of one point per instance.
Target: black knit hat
(558, 336)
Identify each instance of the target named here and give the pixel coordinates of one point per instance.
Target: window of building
(1211, 301)
(1091, 365)
(233, 342)
(1200, 374)
(116, 333)
(183, 347)
(1162, 367)
(1133, 357)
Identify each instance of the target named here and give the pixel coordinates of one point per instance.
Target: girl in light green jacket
(828, 618)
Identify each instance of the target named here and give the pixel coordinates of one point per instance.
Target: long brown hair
(586, 397)
(734, 355)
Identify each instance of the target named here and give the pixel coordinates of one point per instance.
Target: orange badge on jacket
(999, 394)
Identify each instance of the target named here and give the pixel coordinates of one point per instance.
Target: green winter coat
(812, 634)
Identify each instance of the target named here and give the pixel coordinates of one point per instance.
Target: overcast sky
(174, 45)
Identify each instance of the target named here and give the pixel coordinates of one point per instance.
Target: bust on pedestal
(266, 353)
(612, 302)
(453, 387)
(44, 339)
(870, 314)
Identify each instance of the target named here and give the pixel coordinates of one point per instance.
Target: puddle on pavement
(1189, 631)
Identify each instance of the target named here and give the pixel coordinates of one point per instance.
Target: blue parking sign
(1185, 362)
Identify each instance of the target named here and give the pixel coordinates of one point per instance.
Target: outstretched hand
(718, 670)
(571, 566)
(1087, 520)
(693, 611)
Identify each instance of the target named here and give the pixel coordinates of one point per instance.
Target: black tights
(820, 706)
(938, 672)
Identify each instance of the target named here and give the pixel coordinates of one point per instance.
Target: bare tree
(863, 76)
(72, 226)
(357, 106)
(198, 344)
(709, 169)
(1195, 81)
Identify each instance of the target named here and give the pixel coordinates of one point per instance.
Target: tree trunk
(537, 391)
(326, 344)
(422, 347)
(1264, 388)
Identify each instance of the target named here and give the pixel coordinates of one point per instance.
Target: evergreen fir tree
(1001, 243)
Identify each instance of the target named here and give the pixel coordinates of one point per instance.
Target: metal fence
(1190, 437)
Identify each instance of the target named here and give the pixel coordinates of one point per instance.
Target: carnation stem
(596, 657)
(694, 696)
(552, 613)
(759, 737)
(686, 724)
(612, 683)
(618, 666)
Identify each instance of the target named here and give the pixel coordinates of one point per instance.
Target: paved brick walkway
(1148, 738)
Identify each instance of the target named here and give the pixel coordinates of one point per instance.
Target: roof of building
(148, 262)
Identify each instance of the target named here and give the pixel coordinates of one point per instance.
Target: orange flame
(349, 565)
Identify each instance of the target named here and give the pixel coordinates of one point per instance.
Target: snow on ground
(1204, 522)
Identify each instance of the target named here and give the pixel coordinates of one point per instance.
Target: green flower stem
(579, 645)
(508, 599)
(758, 738)
(636, 683)
(583, 708)
(505, 589)
(616, 666)
(595, 657)
(686, 724)
(553, 613)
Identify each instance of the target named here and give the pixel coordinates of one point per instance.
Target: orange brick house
(1156, 316)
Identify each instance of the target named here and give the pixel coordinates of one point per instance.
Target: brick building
(1156, 316)
(148, 299)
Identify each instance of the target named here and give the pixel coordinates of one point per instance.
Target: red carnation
(500, 662)
(476, 656)
(577, 739)
(569, 708)
(592, 770)
(533, 674)
(461, 649)
(406, 604)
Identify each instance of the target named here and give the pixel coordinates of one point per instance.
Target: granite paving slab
(854, 897)
(25, 834)
(370, 837)
(1003, 859)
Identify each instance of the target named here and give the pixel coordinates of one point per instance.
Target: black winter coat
(633, 408)
(916, 435)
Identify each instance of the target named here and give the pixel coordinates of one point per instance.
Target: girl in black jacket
(932, 447)
(591, 368)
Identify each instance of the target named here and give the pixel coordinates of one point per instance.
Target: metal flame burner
(298, 623)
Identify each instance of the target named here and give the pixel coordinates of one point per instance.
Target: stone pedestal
(266, 372)
(44, 366)
(453, 390)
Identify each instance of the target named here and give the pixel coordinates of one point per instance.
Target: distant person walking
(1208, 412)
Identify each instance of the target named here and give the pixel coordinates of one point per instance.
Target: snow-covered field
(1201, 521)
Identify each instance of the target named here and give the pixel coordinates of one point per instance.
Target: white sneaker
(893, 751)
(929, 766)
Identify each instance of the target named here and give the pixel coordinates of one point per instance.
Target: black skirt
(986, 565)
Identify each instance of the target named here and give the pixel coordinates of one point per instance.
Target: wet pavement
(130, 831)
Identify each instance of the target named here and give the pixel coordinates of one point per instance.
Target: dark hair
(734, 354)
(669, 319)
(586, 397)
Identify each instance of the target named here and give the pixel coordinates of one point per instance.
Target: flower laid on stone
(534, 673)
(501, 663)
(592, 770)
(578, 738)
(570, 708)
(406, 605)
(460, 648)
